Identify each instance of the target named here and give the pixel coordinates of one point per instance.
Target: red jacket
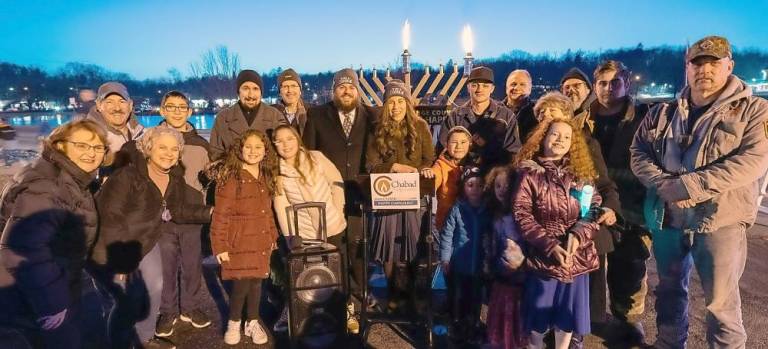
(244, 226)
(546, 208)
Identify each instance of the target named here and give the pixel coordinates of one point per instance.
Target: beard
(343, 106)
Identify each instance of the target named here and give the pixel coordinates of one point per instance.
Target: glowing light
(467, 40)
(405, 35)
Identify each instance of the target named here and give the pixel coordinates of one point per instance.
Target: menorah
(450, 88)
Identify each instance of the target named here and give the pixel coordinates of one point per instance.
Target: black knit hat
(576, 73)
(288, 75)
(249, 75)
(469, 173)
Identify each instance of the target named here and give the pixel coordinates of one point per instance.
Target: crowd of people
(546, 210)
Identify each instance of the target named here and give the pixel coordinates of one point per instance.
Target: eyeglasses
(84, 147)
(170, 107)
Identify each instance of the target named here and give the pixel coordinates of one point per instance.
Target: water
(51, 121)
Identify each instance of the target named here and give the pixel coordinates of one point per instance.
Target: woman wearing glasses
(136, 205)
(48, 219)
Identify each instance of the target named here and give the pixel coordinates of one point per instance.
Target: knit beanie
(396, 88)
(249, 75)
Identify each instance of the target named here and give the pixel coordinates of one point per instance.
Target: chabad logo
(383, 186)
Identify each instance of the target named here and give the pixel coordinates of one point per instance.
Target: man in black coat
(340, 130)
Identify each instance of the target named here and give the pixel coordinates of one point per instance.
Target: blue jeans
(719, 258)
(137, 303)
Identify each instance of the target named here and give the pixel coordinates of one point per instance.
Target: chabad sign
(395, 191)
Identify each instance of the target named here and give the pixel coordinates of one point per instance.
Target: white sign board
(394, 191)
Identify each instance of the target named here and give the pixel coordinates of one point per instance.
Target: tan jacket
(719, 171)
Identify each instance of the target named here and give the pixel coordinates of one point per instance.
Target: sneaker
(352, 325)
(282, 323)
(256, 332)
(232, 336)
(196, 318)
(159, 343)
(164, 326)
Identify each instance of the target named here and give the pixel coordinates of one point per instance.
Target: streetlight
(637, 77)
(11, 89)
(26, 88)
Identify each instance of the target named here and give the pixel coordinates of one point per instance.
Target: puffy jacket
(447, 175)
(49, 223)
(719, 171)
(244, 226)
(461, 239)
(131, 207)
(546, 209)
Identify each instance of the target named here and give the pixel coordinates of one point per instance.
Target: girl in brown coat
(243, 231)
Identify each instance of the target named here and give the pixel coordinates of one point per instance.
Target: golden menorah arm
(438, 78)
(457, 90)
(377, 81)
(450, 81)
(421, 84)
(369, 90)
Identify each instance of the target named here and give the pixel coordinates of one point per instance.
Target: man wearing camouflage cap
(701, 157)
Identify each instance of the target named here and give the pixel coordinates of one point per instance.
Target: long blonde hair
(297, 161)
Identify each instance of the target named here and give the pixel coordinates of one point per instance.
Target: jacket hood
(735, 89)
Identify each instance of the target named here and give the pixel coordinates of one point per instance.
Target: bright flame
(406, 35)
(467, 40)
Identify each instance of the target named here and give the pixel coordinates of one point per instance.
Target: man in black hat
(576, 86)
(248, 113)
(291, 104)
(340, 130)
(493, 126)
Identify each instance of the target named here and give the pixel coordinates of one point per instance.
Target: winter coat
(720, 169)
(131, 208)
(497, 127)
(243, 225)
(231, 123)
(447, 176)
(324, 133)
(616, 155)
(422, 156)
(526, 119)
(49, 222)
(324, 184)
(299, 119)
(546, 209)
(461, 239)
(115, 138)
(500, 258)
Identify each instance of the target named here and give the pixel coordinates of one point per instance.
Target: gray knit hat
(288, 75)
(346, 76)
(396, 88)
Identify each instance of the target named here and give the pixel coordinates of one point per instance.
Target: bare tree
(216, 71)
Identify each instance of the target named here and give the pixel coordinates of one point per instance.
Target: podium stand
(368, 319)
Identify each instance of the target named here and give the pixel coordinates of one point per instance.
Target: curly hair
(499, 208)
(553, 99)
(232, 162)
(147, 140)
(580, 164)
(388, 131)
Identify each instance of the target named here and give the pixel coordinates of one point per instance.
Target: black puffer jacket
(131, 207)
(49, 223)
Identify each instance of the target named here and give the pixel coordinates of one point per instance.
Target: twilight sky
(146, 38)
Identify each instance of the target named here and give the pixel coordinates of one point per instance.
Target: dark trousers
(350, 247)
(598, 298)
(627, 286)
(245, 292)
(181, 253)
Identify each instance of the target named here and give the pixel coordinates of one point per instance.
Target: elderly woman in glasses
(136, 204)
(48, 219)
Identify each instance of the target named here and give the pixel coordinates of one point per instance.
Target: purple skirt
(550, 303)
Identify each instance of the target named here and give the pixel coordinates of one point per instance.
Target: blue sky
(146, 38)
